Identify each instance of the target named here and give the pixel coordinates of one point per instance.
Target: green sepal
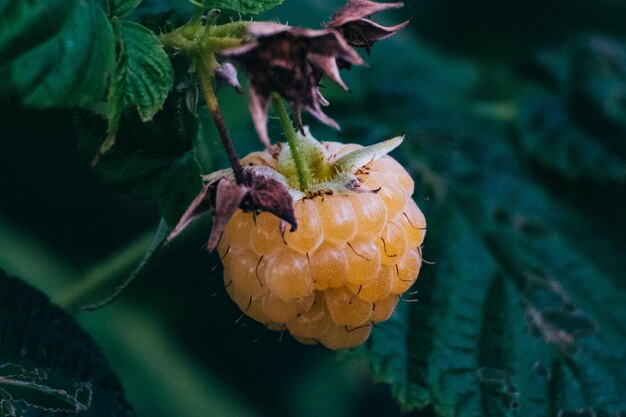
(313, 155)
(357, 159)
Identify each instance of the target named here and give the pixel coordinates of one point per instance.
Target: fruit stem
(302, 169)
(206, 83)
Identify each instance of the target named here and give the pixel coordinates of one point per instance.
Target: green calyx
(201, 36)
(314, 158)
(310, 169)
(326, 174)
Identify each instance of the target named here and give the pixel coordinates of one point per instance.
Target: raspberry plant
(518, 168)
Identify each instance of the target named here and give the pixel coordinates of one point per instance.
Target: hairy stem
(197, 39)
(304, 174)
(206, 83)
(232, 29)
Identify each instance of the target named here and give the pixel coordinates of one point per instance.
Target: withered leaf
(291, 62)
(228, 198)
(359, 31)
(199, 206)
(268, 194)
(222, 196)
(359, 9)
(226, 76)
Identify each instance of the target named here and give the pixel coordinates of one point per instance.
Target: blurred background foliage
(515, 115)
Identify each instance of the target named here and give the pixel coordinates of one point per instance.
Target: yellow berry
(338, 218)
(262, 231)
(390, 165)
(384, 307)
(245, 269)
(329, 267)
(355, 252)
(312, 323)
(235, 236)
(406, 271)
(287, 274)
(377, 288)
(363, 261)
(346, 308)
(248, 304)
(392, 194)
(413, 222)
(280, 310)
(370, 212)
(392, 244)
(343, 337)
(309, 234)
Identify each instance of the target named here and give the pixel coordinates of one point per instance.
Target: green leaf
(181, 188)
(151, 160)
(144, 75)
(579, 130)
(597, 89)
(245, 6)
(56, 53)
(520, 313)
(121, 8)
(549, 135)
(172, 180)
(516, 317)
(48, 364)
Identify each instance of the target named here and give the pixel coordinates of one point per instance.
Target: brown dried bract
(291, 62)
(226, 76)
(223, 196)
(358, 31)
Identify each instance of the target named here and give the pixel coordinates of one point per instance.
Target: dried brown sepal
(228, 197)
(200, 205)
(351, 20)
(226, 76)
(268, 194)
(290, 61)
(223, 196)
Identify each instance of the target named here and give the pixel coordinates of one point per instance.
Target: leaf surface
(549, 135)
(522, 312)
(121, 8)
(578, 130)
(245, 6)
(151, 160)
(513, 317)
(144, 75)
(56, 53)
(48, 364)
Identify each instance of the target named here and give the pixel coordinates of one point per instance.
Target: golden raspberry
(355, 252)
